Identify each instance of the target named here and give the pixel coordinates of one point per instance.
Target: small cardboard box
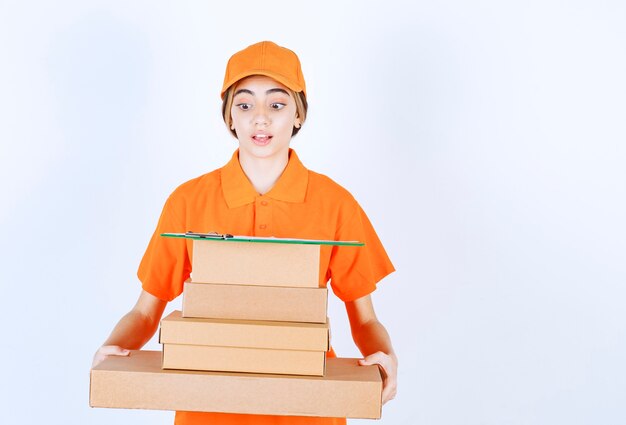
(138, 382)
(176, 329)
(248, 302)
(237, 359)
(248, 263)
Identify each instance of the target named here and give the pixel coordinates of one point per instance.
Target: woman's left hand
(389, 365)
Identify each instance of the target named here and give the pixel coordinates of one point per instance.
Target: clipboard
(226, 237)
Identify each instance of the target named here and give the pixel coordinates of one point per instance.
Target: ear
(232, 125)
(297, 123)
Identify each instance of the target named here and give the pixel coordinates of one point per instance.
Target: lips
(261, 139)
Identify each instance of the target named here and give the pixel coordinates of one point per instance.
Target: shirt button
(264, 203)
(262, 226)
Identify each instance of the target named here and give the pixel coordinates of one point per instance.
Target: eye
(277, 106)
(244, 106)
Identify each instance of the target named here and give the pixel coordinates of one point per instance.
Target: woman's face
(263, 116)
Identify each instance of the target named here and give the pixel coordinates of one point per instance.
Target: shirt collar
(290, 187)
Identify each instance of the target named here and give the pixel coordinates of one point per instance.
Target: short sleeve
(355, 271)
(166, 263)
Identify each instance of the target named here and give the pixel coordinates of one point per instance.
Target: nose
(261, 117)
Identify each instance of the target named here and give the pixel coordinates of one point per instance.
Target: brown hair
(301, 108)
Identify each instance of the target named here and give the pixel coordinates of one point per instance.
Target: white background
(486, 141)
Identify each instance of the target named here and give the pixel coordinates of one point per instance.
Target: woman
(264, 190)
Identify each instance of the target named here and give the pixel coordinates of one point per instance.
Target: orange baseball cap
(265, 58)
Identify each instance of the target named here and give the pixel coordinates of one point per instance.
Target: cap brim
(280, 78)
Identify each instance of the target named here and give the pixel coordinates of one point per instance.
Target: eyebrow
(250, 92)
(277, 90)
(243, 91)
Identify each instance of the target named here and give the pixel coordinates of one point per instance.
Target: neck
(263, 173)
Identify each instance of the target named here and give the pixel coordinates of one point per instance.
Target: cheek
(287, 120)
(286, 125)
(235, 117)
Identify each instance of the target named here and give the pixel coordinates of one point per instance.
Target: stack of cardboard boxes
(250, 308)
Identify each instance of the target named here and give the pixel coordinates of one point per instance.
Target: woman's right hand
(108, 350)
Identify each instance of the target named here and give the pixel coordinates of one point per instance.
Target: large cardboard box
(242, 359)
(176, 329)
(255, 302)
(250, 263)
(138, 382)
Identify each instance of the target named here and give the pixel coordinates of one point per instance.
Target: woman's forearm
(133, 331)
(137, 326)
(371, 337)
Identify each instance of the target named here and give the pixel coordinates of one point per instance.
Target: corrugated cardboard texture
(236, 359)
(247, 263)
(247, 302)
(176, 329)
(138, 382)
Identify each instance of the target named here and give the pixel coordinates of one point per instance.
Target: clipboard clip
(210, 235)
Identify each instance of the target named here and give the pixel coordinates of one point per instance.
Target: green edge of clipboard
(264, 240)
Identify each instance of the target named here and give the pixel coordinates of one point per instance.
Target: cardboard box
(138, 382)
(176, 329)
(248, 302)
(249, 263)
(237, 359)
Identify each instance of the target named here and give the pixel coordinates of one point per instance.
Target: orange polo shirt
(302, 204)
